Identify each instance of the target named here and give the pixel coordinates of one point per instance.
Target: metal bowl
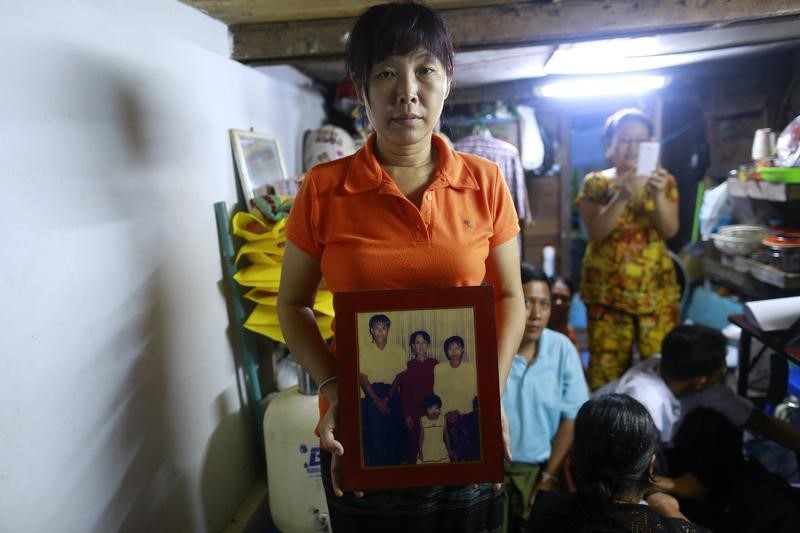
(738, 239)
(744, 231)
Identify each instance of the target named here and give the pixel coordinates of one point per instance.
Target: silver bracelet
(326, 381)
(547, 476)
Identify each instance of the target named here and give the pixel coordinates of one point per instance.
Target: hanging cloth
(507, 158)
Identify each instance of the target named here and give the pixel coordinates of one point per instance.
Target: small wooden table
(774, 340)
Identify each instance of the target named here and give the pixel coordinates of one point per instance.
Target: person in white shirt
(700, 422)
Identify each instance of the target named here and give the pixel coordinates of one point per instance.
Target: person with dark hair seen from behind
(627, 279)
(545, 389)
(405, 211)
(611, 464)
(561, 292)
(700, 422)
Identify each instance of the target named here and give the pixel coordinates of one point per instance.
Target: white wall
(120, 407)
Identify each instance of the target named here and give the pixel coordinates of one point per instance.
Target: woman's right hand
(628, 185)
(328, 441)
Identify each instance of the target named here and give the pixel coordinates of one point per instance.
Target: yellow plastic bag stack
(264, 251)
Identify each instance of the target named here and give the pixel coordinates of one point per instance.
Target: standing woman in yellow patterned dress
(627, 280)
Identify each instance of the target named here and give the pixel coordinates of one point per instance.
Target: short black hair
(379, 319)
(455, 339)
(692, 351)
(430, 401)
(615, 439)
(396, 28)
(622, 116)
(530, 273)
(418, 333)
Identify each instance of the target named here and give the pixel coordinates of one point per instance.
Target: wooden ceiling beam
(520, 24)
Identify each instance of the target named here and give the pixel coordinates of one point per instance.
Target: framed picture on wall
(418, 387)
(258, 162)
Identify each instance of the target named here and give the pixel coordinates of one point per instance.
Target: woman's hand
(409, 423)
(506, 441)
(657, 182)
(506, 433)
(628, 185)
(665, 215)
(328, 441)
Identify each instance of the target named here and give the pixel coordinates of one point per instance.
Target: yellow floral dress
(627, 282)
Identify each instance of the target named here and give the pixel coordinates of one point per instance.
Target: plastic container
(549, 260)
(296, 496)
(784, 252)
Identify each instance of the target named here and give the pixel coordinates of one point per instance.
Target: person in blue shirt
(545, 389)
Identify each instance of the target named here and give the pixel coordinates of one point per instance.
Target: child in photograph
(433, 442)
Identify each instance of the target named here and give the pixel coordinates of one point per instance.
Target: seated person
(611, 463)
(699, 420)
(561, 291)
(544, 391)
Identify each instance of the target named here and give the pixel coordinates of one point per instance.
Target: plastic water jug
(296, 496)
(549, 260)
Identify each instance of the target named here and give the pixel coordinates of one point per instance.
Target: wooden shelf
(764, 190)
(745, 284)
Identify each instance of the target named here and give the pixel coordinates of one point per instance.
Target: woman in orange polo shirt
(405, 211)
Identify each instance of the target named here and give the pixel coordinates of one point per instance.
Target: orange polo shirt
(367, 235)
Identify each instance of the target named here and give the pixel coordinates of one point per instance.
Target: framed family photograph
(419, 396)
(258, 161)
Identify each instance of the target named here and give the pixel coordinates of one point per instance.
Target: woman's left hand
(329, 442)
(658, 180)
(505, 432)
(506, 441)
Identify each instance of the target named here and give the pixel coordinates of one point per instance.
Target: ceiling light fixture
(600, 86)
(606, 56)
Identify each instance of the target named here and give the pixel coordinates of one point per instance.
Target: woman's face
(406, 97)
(420, 347)
(624, 148)
(560, 297)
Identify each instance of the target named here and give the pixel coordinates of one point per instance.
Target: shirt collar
(365, 172)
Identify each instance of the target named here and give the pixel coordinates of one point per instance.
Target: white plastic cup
(763, 144)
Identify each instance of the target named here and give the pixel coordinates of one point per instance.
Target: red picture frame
(472, 451)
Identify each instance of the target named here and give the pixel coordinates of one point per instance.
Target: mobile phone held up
(648, 158)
